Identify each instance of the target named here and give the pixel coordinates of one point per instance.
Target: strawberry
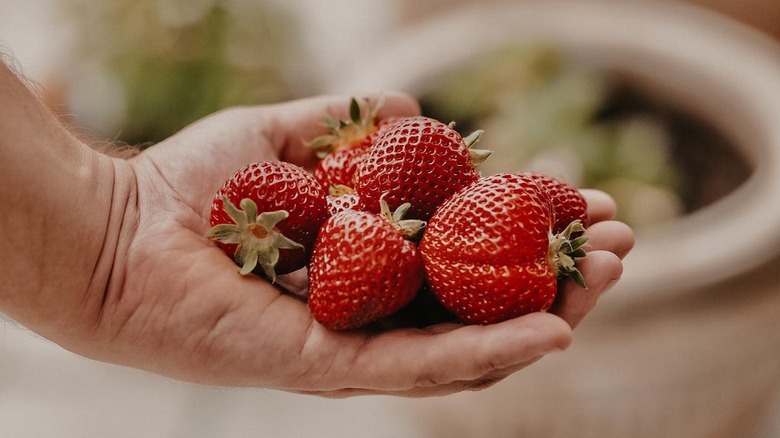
(364, 267)
(266, 216)
(342, 149)
(567, 202)
(418, 160)
(490, 253)
(340, 166)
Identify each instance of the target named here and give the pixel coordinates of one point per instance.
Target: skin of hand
(134, 281)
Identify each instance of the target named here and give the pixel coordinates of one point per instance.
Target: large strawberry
(364, 267)
(490, 253)
(418, 160)
(345, 145)
(266, 216)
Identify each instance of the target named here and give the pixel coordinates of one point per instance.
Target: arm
(56, 195)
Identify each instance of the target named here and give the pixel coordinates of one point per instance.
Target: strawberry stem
(409, 228)
(478, 156)
(256, 235)
(342, 133)
(565, 249)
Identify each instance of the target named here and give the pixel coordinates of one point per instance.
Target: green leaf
(354, 111)
(249, 263)
(238, 216)
(225, 233)
(250, 210)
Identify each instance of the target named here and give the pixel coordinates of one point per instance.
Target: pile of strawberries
(396, 213)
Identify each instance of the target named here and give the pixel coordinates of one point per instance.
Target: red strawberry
(340, 167)
(266, 216)
(418, 160)
(490, 254)
(363, 268)
(343, 148)
(568, 203)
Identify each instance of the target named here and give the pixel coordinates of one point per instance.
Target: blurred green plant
(176, 61)
(542, 112)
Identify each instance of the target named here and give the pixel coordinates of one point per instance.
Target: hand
(175, 305)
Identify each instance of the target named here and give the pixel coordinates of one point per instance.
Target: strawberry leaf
(564, 250)
(256, 235)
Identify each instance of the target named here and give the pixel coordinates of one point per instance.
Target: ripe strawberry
(364, 267)
(266, 216)
(340, 167)
(568, 203)
(490, 253)
(342, 149)
(418, 160)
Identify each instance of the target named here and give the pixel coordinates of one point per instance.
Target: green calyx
(478, 156)
(255, 234)
(342, 133)
(409, 228)
(565, 248)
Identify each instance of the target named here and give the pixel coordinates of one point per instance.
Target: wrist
(60, 200)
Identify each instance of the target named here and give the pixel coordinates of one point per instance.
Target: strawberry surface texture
(267, 216)
(417, 160)
(490, 253)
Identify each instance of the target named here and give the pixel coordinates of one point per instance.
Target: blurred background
(639, 117)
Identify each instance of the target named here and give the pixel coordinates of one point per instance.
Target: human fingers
(292, 124)
(601, 270)
(601, 206)
(608, 243)
(612, 236)
(478, 384)
(416, 363)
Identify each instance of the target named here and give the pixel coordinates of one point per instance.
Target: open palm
(175, 304)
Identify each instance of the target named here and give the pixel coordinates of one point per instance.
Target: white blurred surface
(31, 32)
(48, 392)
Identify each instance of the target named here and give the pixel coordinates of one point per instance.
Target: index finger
(601, 206)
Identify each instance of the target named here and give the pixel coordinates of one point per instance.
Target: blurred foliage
(176, 61)
(542, 112)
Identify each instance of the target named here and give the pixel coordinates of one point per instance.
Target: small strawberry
(364, 267)
(342, 149)
(348, 134)
(418, 160)
(266, 216)
(490, 253)
(340, 167)
(568, 203)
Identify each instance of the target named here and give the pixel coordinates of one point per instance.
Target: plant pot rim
(725, 72)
